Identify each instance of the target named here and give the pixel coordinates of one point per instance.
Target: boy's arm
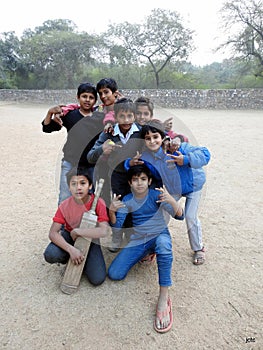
(49, 124)
(167, 198)
(101, 230)
(69, 107)
(97, 150)
(115, 205)
(54, 235)
(195, 156)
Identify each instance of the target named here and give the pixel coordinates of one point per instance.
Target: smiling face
(107, 97)
(143, 114)
(153, 141)
(86, 101)
(79, 187)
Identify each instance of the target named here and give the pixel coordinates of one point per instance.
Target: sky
(199, 15)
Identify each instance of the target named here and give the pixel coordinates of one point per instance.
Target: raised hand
(116, 203)
(178, 159)
(136, 159)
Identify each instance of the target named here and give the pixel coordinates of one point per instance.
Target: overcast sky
(94, 16)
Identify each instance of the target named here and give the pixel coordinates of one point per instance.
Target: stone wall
(185, 99)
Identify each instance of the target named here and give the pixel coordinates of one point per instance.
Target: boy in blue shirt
(150, 235)
(181, 173)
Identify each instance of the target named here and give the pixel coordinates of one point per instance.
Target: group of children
(145, 178)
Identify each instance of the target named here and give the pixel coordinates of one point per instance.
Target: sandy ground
(216, 306)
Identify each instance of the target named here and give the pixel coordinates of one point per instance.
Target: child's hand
(164, 195)
(76, 256)
(179, 159)
(136, 160)
(108, 128)
(109, 146)
(116, 203)
(57, 113)
(56, 109)
(57, 118)
(174, 144)
(118, 95)
(168, 124)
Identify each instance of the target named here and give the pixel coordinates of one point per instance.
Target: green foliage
(139, 56)
(244, 31)
(161, 39)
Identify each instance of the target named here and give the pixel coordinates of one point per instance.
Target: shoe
(199, 257)
(160, 315)
(114, 247)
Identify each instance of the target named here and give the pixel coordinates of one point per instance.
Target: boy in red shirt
(69, 214)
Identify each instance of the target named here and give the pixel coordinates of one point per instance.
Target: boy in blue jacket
(150, 234)
(181, 173)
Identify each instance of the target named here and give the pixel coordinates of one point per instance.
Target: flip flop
(199, 257)
(161, 314)
(148, 259)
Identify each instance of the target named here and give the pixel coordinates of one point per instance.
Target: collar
(117, 131)
(159, 154)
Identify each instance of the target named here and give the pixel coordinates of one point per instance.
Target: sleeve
(155, 173)
(196, 157)
(69, 107)
(152, 169)
(120, 217)
(96, 151)
(101, 211)
(167, 207)
(58, 217)
(52, 126)
(109, 118)
(126, 164)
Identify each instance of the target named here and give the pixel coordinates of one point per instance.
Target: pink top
(109, 116)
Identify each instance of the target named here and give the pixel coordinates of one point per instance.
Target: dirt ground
(216, 306)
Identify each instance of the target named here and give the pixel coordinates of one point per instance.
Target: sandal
(160, 316)
(148, 259)
(199, 257)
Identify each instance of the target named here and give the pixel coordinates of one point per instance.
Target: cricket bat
(72, 275)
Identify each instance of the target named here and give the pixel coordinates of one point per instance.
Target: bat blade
(72, 275)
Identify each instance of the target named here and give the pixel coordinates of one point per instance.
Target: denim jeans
(133, 253)
(95, 267)
(64, 192)
(193, 224)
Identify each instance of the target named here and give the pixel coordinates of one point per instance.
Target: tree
(158, 41)
(243, 19)
(10, 60)
(55, 54)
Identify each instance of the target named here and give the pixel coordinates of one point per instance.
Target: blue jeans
(64, 192)
(95, 267)
(193, 224)
(133, 253)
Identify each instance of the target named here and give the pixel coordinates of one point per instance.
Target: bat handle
(97, 194)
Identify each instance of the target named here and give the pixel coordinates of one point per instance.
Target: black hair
(109, 83)
(144, 101)
(137, 170)
(78, 171)
(87, 87)
(153, 126)
(124, 104)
